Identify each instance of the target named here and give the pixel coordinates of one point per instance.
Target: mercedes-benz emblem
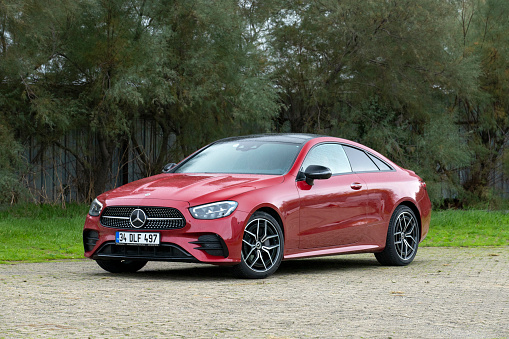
(138, 218)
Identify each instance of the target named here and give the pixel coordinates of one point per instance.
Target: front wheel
(262, 247)
(402, 239)
(121, 266)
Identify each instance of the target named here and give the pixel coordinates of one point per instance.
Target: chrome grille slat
(158, 218)
(162, 218)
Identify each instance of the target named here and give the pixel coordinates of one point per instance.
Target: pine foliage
(424, 82)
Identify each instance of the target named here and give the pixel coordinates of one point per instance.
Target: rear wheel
(262, 247)
(121, 266)
(402, 239)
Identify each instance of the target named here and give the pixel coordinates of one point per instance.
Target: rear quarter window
(381, 165)
(359, 160)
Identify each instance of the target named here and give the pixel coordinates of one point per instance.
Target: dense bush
(11, 166)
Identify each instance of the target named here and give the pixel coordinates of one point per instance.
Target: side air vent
(90, 238)
(212, 244)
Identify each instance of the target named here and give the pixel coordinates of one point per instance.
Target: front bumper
(216, 241)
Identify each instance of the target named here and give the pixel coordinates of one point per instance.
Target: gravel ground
(444, 293)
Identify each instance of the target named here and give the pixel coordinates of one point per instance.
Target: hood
(196, 189)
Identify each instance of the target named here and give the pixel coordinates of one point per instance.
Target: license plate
(137, 238)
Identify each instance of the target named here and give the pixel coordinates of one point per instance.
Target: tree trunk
(102, 168)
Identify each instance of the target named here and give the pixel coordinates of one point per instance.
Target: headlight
(214, 210)
(95, 208)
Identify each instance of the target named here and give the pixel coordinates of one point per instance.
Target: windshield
(243, 157)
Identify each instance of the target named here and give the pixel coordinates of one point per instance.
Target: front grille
(163, 252)
(160, 218)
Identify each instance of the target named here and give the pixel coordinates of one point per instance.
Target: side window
(329, 155)
(381, 165)
(359, 160)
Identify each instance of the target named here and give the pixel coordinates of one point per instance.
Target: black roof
(294, 138)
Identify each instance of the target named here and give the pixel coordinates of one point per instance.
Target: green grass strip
(468, 228)
(35, 233)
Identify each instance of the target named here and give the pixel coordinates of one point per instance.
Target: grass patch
(35, 233)
(468, 228)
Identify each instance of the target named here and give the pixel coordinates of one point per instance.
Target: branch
(138, 148)
(72, 62)
(30, 93)
(74, 154)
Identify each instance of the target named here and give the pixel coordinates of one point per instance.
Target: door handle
(356, 186)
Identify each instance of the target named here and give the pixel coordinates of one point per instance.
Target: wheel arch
(273, 213)
(417, 213)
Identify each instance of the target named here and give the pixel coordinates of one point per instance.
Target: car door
(371, 170)
(377, 176)
(331, 210)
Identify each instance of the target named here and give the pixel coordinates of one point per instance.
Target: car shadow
(326, 264)
(193, 272)
(201, 272)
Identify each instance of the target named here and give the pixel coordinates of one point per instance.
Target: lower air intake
(163, 252)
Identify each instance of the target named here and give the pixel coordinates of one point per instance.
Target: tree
(485, 116)
(379, 72)
(98, 66)
(11, 167)
(205, 80)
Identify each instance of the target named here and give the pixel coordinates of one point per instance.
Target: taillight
(423, 184)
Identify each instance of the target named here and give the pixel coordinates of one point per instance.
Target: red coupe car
(252, 201)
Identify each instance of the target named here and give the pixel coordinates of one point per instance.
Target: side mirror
(168, 167)
(316, 172)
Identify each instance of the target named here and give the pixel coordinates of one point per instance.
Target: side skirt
(315, 252)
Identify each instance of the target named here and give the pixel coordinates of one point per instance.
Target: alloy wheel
(261, 245)
(406, 235)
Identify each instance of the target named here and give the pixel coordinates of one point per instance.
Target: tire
(262, 247)
(400, 250)
(121, 266)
